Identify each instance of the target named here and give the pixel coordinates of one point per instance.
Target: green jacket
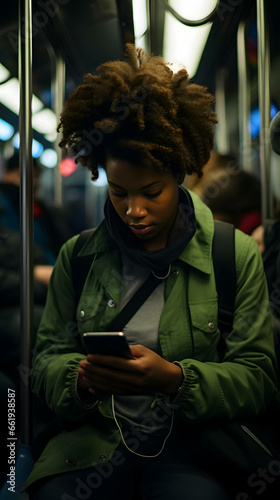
(243, 384)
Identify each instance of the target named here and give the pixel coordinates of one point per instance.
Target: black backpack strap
(80, 265)
(80, 268)
(134, 303)
(225, 274)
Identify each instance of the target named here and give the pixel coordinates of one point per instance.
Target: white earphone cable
(123, 440)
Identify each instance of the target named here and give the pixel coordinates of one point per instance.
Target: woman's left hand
(146, 373)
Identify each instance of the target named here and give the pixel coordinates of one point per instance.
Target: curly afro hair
(139, 110)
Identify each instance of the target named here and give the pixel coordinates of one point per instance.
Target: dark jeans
(170, 475)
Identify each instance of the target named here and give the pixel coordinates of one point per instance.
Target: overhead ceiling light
(45, 121)
(139, 17)
(140, 22)
(4, 73)
(193, 11)
(184, 44)
(6, 130)
(10, 97)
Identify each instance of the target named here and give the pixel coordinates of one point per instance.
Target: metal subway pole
(245, 142)
(58, 93)
(24, 461)
(264, 105)
(26, 208)
(222, 133)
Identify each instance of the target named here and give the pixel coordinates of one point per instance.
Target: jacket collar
(198, 252)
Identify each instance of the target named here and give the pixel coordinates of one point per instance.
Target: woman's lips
(140, 229)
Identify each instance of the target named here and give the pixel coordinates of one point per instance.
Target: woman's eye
(118, 195)
(153, 195)
(147, 195)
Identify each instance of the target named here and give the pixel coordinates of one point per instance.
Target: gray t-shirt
(138, 420)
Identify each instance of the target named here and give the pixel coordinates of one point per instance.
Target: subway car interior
(232, 47)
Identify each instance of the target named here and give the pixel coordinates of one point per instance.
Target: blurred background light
(51, 137)
(67, 166)
(102, 178)
(10, 93)
(37, 147)
(6, 130)
(4, 73)
(45, 121)
(255, 121)
(49, 158)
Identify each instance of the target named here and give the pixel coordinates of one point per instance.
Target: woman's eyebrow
(143, 187)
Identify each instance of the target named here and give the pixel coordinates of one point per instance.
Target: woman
(147, 127)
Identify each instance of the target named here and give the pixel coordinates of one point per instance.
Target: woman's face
(146, 200)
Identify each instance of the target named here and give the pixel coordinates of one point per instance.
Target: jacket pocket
(89, 311)
(205, 332)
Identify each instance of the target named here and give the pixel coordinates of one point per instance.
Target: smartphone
(110, 343)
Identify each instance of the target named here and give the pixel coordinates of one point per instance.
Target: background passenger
(217, 161)
(52, 225)
(234, 196)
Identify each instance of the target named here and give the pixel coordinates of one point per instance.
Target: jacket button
(102, 458)
(175, 273)
(70, 462)
(211, 326)
(82, 314)
(111, 303)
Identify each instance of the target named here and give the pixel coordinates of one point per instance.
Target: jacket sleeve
(244, 383)
(58, 350)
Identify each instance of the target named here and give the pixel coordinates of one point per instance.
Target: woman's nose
(136, 208)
